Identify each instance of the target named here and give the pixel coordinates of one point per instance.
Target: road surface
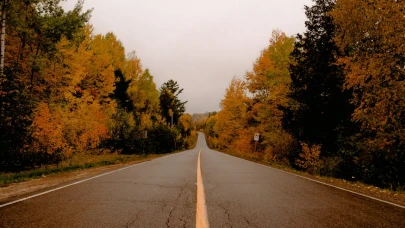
(162, 193)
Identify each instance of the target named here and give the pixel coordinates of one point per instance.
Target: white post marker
(256, 138)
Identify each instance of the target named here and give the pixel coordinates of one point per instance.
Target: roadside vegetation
(72, 99)
(328, 102)
(81, 162)
(75, 163)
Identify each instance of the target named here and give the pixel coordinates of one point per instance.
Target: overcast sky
(201, 44)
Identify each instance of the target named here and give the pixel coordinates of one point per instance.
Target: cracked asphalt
(159, 193)
(241, 193)
(162, 193)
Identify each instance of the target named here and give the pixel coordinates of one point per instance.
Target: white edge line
(320, 182)
(78, 182)
(65, 186)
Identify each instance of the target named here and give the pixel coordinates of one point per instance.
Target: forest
(65, 91)
(330, 101)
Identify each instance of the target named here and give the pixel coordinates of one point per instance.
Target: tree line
(329, 101)
(65, 90)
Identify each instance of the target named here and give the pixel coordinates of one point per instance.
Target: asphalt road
(162, 193)
(159, 193)
(240, 193)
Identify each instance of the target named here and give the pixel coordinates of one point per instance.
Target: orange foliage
(372, 32)
(232, 118)
(243, 143)
(269, 84)
(80, 80)
(241, 116)
(48, 130)
(133, 67)
(309, 157)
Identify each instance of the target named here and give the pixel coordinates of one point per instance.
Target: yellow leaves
(143, 93)
(235, 95)
(85, 124)
(232, 117)
(257, 77)
(278, 143)
(309, 157)
(133, 67)
(145, 121)
(375, 25)
(372, 34)
(269, 82)
(81, 82)
(48, 130)
(270, 73)
(94, 63)
(77, 83)
(131, 120)
(185, 121)
(242, 116)
(243, 144)
(210, 126)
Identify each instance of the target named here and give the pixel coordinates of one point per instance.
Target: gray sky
(201, 44)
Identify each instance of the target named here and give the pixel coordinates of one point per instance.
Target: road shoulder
(15, 191)
(395, 197)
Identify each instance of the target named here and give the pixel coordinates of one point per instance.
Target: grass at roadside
(80, 162)
(397, 197)
(75, 163)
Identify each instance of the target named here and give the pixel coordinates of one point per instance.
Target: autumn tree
(232, 119)
(370, 33)
(186, 124)
(210, 123)
(65, 91)
(319, 111)
(268, 83)
(79, 95)
(34, 30)
(145, 99)
(209, 126)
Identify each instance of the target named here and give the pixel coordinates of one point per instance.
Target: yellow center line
(201, 212)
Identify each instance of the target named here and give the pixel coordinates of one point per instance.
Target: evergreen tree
(120, 91)
(319, 107)
(170, 104)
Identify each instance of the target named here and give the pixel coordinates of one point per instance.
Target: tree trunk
(3, 36)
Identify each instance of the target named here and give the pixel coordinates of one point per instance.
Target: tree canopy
(170, 104)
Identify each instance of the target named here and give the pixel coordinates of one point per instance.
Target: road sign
(257, 136)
